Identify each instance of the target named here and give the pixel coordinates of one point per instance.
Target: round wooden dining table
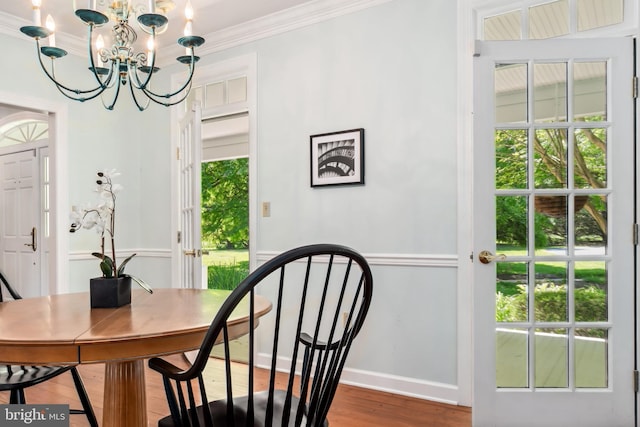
(63, 329)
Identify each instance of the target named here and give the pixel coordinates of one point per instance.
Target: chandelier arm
(62, 88)
(135, 99)
(192, 67)
(134, 78)
(152, 96)
(116, 66)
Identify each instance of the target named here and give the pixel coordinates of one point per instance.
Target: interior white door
(20, 225)
(554, 191)
(190, 158)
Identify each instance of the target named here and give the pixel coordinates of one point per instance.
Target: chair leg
(16, 396)
(84, 398)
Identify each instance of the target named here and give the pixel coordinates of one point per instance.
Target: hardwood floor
(352, 406)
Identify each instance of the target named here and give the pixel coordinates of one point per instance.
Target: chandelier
(119, 66)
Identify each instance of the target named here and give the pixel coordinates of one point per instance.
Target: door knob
(192, 252)
(487, 257)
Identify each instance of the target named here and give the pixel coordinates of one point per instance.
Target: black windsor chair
(319, 307)
(15, 378)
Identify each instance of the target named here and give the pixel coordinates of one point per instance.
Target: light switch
(266, 209)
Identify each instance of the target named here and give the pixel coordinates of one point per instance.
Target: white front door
(20, 227)
(554, 203)
(190, 158)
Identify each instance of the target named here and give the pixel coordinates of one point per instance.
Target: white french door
(190, 158)
(20, 231)
(553, 234)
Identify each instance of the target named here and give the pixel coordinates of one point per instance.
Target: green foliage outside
(226, 268)
(227, 276)
(550, 171)
(590, 304)
(225, 221)
(225, 204)
(550, 293)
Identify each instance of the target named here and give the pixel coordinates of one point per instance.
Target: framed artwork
(337, 158)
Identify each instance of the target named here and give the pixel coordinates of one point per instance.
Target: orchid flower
(101, 217)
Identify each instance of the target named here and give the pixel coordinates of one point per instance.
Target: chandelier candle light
(120, 65)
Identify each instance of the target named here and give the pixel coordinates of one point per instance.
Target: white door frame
(467, 32)
(245, 65)
(59, 190)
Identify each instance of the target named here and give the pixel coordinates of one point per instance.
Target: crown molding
(280, 22)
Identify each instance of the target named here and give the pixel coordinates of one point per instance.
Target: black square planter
(110, 292)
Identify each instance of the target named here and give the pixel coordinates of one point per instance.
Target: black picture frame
(337, 158)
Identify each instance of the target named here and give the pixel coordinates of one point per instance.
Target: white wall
(390, 69)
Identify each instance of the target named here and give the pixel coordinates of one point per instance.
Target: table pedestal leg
(125, 399)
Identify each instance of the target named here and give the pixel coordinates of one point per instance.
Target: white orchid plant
(101, 217)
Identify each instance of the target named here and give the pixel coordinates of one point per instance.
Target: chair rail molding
(407, 260)
(83, 255)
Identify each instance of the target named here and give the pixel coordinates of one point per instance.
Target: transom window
(24, 127)
(534, 20)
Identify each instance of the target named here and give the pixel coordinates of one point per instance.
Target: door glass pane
(511, 93)
(590, 91)
(550, 296)
(550, 92)
(590, 165)
(591, 358)
(550, 161)
(511, 159)
(552, 358)
(512, 298)
(550, 225)
(599, 13)
(591, 291)
(591, 224)
(511, 221)
(549, 20)
(512, 357)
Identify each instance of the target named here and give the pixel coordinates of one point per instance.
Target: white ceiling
(223, 23)
(211, 17)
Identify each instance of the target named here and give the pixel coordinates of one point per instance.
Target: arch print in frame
(337, 158)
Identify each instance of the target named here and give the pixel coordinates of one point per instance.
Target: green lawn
(225, 257)
(513, 273)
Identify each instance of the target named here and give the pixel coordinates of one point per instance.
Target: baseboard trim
(404, 386)
(410, 387)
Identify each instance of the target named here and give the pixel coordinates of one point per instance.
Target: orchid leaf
(123, 264)
(106, 265)
(101, 256)
(107, 268)
(144, 285)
